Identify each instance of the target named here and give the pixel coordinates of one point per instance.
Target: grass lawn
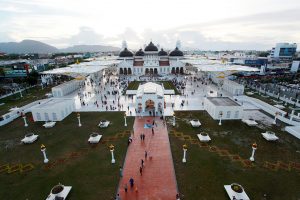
(168, 85)
(32, 94)
(208, 169)
(73, 161)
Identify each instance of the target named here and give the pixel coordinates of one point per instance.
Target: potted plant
(237, 188)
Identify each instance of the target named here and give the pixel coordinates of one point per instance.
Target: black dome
(151, 47)
(125, 53)
(162, 53)
(139, 53)
(176, 52)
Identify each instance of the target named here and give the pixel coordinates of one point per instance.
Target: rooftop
(222, 101)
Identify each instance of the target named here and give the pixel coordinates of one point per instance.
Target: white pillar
(112, 156)
(292, 114)
(45, 156)
(79, 122)
(184, 155)
(253, 152)
(125, 122)
(20, 93)
(25, 122)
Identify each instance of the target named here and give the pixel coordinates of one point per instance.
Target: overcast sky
(200, 24)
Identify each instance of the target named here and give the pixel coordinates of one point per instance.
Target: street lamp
(220, 116)
(24, 117)
(112, 148)
(184, 147)
(125, 122)
(174, 121)
(78, 117)
(43, 150)
(254, 147)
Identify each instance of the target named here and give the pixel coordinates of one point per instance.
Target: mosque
(151, 61)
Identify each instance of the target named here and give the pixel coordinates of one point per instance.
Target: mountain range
(33, 46)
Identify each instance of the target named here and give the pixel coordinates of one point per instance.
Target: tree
(32, 78)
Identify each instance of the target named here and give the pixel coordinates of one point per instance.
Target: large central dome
(151, 47)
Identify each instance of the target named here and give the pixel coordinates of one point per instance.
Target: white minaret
(178, 44)
(124, 44)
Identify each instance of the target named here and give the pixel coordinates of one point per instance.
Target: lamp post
(174, 120)
(112, 148)
(274, 122)
(43, 150)
(125, 122)
(79, 122)
(254, 147)
(24, 117)
(184, 147)
(220, 116)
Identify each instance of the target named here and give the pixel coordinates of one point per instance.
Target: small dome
(125, 53)
(162, 53)
(176, 52)
(139, 53)
(151, 47)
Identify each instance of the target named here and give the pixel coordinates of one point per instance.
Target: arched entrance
(121, 71)
(181, 70)
(155, 71)
(150, 107)
(147, 71)
(173, 70)
(125, 71)
(129, 70)
(177, 70)
(151, 71)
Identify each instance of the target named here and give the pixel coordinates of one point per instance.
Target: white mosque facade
(151, 61)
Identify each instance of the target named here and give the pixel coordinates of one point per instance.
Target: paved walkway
(158, 181)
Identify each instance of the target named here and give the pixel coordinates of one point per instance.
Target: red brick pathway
(158, 181)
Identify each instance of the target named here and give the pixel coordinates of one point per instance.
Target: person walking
(141, 136)
(125, 188)
(152, 131)
(131, 182)
(141, 170)
(142, 163)
(146, 155)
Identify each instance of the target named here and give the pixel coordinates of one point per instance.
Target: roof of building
(150, 88)
(176, 52)
(162, 53)
(126, 53)
(140, 53)
(53, 103)
(151, 47)
(222, 101)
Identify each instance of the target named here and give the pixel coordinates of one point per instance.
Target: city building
(151, 60)
(283, 51)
